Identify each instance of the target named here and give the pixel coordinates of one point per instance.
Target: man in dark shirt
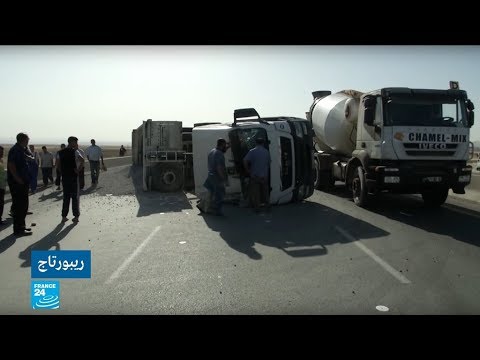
(69, 172)
(257, 165)
(58, 179)
(18, 181)
(217, 176)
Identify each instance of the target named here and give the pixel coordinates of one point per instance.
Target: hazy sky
(103, 92)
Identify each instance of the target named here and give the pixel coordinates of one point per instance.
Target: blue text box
(61, 264)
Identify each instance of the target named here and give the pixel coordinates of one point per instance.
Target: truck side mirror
(470, 113)
(470, 118)
(369, 104)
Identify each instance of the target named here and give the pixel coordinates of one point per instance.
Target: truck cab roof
(392, 91)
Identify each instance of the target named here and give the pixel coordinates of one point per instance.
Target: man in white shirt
(33, 169)
(79, 158)
(94, 155)
(46, 163)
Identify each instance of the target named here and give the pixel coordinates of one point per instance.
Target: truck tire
(435, 198)
(359, 187)
(170, 178)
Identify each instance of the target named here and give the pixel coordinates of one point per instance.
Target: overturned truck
(175, 157)
(164, 150)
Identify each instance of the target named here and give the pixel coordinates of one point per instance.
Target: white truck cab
(288, 139)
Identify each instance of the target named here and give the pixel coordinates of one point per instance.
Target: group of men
(69, 164)
(257, 166)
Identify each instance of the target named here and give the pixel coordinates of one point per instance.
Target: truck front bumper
(414, 178)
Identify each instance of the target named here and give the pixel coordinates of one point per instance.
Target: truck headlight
(391, 179)
(464, 178)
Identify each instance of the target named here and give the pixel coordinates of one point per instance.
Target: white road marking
(370, 253)
(406, 214)
(128, 260)
(303, 248)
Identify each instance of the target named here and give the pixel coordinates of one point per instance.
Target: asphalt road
(154, 253)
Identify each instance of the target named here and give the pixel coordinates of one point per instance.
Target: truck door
(369, 136)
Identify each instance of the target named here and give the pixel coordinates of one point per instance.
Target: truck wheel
(435, 198)
(170, 178)
(359, 187)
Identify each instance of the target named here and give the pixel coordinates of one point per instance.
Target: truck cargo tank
(334, 120)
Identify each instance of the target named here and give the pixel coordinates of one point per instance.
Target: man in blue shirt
(18, 181)
(257, 165)
(217, 176)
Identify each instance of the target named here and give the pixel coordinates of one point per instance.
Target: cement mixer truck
(400, 140)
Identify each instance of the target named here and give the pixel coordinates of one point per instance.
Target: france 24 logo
(45, 294)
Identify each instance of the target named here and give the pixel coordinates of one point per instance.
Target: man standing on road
(18, 182)
(217, 178)
(257, 164)
(33, 168)
(80, 156)
(46, 163)
(58, 179)
(94, 155)
(3, 184)
(68, 159)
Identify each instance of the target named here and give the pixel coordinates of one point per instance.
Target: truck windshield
(444, 112)
(242, 141)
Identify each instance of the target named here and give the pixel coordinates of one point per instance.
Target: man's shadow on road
(7, 242)
(46, 243)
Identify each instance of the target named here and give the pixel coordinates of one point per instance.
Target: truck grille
(430, 153)
(427, 149)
